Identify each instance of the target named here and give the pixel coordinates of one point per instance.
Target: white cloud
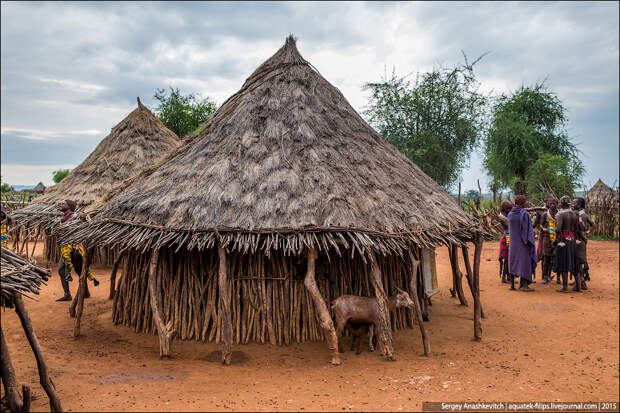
(17, 174)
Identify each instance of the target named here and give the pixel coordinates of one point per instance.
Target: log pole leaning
(11, 388)
(469, 274)
(81, 291)
(164, 331)
(319, 303)
(224, 290)
(457, 275)
(413, 287)
(117, 261)
(385, 333)
(476, 284)
(44, 378)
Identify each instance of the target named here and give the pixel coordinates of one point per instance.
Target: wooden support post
(413, 288)
(385, 329)
(81, 291)
(11, 388)
(319, 303)
(469, 274)
(165, 332)
(457, 275)
(476, 285)
(44, 378)
(224, 290)
(113, 275)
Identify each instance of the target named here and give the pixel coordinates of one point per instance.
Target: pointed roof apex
(139, 103)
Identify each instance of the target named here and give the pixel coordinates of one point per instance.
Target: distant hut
(39, 189)
(287, 200)
(20, 277)
(602, 203)
(138, 141)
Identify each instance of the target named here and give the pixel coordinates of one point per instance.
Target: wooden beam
(81, 291)
(413, 288)
(44, 378)
(469, 274)
(224, 290)
(385, 329)
(319, 303)
(457, 275)
(165, 332)
(113, 275)
(11, 388)
(476, 285)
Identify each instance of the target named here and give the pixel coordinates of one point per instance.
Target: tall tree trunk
(44, 378)
(319, 303)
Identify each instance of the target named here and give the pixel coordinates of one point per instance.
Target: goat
(359, 311)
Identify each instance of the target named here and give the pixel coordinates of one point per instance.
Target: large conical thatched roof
(285, 162)
(39, 189)
(138, 141)
(600, 195)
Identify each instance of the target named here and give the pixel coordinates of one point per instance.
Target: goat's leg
(340, 325)
(371, 337)
(358, 342)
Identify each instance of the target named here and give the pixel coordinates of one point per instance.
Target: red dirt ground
(536, 346)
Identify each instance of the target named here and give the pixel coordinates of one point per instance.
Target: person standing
(72, 256)
(586, 224)
(5, 222)
(504, 242)
(547, 235)
(566, 248)
(522, 250)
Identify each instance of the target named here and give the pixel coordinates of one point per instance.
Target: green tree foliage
(524, 126)
(181, 113)
(435, 121)
(472, 195)
(4, 187)
(551, 174)
(60, 174)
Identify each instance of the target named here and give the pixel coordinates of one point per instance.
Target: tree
(181, 113)
(435, 121)
(472, 195)
(551, 174)
(4, 187)
(524, 126)
(60, 174)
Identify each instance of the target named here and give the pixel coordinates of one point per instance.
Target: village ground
(542, 346)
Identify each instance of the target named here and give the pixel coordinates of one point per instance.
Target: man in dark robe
(522, 250)
(566, 248)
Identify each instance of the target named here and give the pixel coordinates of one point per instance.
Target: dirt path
(536, 346)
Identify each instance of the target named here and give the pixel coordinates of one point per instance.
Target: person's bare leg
(64, 282)
(564, 288)
(512, 281)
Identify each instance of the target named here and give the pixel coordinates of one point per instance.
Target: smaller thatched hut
(138, 141)
(602, 206)
(39, 189)
(20, 277)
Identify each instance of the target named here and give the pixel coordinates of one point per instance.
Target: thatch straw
(285, 163)
(136, 142)
(19, 276)
(600, 196)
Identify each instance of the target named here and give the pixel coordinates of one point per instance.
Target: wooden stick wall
(269, 302)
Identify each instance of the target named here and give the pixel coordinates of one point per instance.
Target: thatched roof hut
(600, 196)
(138, 141)
(39, 188)
(21, 277)
(285, 171)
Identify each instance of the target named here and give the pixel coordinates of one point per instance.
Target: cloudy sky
(71, 71)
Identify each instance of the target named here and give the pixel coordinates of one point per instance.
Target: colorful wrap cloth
(504, 243)
(65, 251)
(3, 235)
